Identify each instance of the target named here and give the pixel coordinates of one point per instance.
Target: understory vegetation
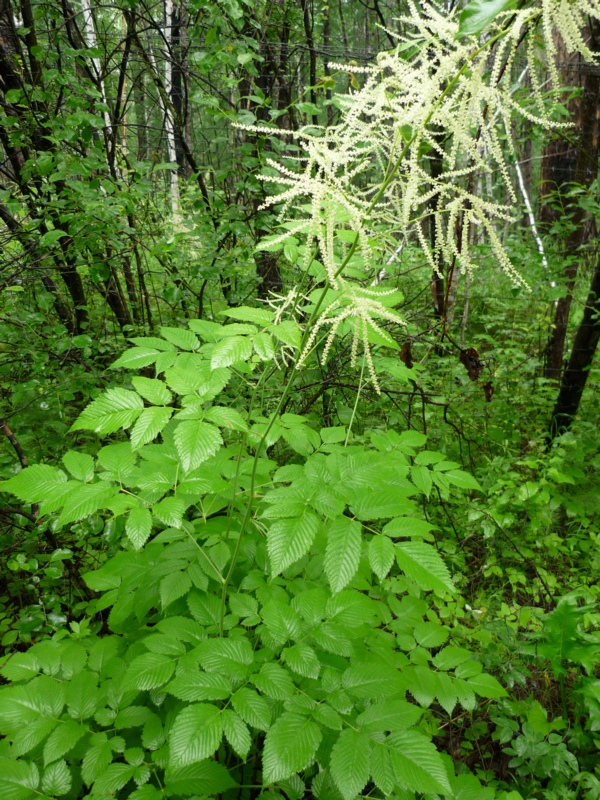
(299, 456)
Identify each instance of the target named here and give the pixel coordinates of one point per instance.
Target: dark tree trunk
(580, 361)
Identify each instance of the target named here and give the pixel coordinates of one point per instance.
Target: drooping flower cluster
(368, 180)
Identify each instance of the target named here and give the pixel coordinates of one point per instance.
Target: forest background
(329, 528)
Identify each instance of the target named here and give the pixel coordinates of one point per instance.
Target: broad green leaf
(260, 316)
(56, 779)
(84, 501)
(462, 479)
(180, 337)
(274, 681)
(32, 484)
(381, 768)
(184, 381)
(290, 746)
(417, 764)
(152, 390)
(383, 503)
(136, 358)
(31, 734)
(350, 762)
(227, 656)
(138, 526)
(372, 680)
(174, 586)
(263, 346)
(148, 671)
(290, 539)
(82, 695)
(80, 465)
(477, 15)
(18, 780)
(62, 739)
(287, 332)
(113, 778)
(169, 511)
(202, 778)
(196, 733)
(236, 732)
(389, 715)
(226, 418)
(282, 620)
(342, 553)
(486, 686)
(230, 350)
(196, 442)
(421, 477)
(115, 409)
(118, 459)
(149, 424)
(252, 708)
(422, 563)
(381, 555)
(153, 341)
(302, 659)
(195, 686)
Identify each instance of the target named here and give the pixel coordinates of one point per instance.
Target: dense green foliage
(275, 524)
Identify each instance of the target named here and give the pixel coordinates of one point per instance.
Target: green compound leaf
(149, 424)
(290, 746)
(252, 708)
(85, 500)
(62, 739)
(152, 390)
(203, 778)
(342, 554)
(417, 764)
(169, 511)
(115, 409)
(381, 555)
(32, 484)
(196, 734)
(350, 762)
(138, 526)
(57, 779)
(196, 442)
(274, 681)
(290, 539)
(231, 350)
(136, 358)
(18, 780)
(180, 337)
(148, 671)
(195, 686)
(80, 465)
(477, 15)
(236, 732)
(422, 563)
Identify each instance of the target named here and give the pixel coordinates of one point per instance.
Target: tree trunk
(580, 361)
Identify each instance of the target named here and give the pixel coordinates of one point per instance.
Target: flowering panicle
(442, 95)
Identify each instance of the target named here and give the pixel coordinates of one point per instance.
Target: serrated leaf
(302, 659)
(287, 332)
(174, 586)
(477, 15)
(31, 735)
(226, 418)
(153, 341)
(149, 424)
(236, 732)
(227, 656)
(486, 686)
(82, 695)
(290, 746)
(148, 671)
(196, 442)
(136, 358)
(33, 483)
(421, 477)
(350, 762)
(181, 338)
(230, 350)
(113, 778)
(203, 778)
(80, 465)
(57, 779)
(195, 734)
(152, 390)
(260, 316)
(194, 686)
(85, 500)
(115, 409)
(290, 539)
(381, 555)
(184, 381)
(138, 526)
(252, 708)
(462, 479)
(342, 554)
(422, 563)
(372, 680)
(18, 780)
(169, 511)
(274, 681)
(263, 346)
(62, 739)
(389, 715)
(417, 764)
